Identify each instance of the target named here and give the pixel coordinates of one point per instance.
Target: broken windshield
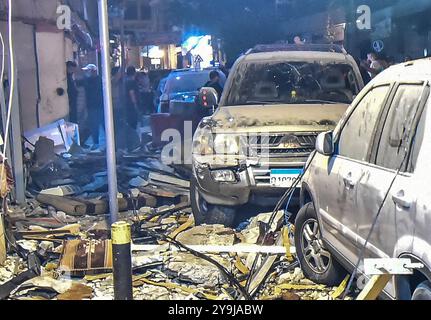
(292, 83)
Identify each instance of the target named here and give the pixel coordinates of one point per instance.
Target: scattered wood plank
(81, 207)
(72, 229)
(190, 222)
(374, 287)
(169, 180)
(261, 274)
(272, 250)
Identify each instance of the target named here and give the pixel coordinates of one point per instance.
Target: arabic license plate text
(284, 178)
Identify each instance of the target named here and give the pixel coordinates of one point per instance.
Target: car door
(340, 174)
(388, 182)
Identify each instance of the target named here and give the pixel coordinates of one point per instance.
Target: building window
(145, 11)
(131, 10)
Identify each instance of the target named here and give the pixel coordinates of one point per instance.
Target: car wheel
(206, 213)
(316, 261)
(423, 291)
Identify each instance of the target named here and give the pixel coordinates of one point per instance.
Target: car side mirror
(325, 144)
(208, 98)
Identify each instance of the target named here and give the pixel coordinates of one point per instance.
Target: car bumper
(252, 185)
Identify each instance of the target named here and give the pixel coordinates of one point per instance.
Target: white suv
(373, 170)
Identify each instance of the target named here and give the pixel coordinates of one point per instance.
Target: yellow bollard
(122, 260)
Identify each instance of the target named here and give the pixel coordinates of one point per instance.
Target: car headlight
(226, 144)
(203, 142)
(207, 143)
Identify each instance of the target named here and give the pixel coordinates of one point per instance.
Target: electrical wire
(11, 88)
(225, 272)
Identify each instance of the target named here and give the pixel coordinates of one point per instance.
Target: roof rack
(297, 47)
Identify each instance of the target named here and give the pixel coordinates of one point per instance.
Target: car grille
(273, 145)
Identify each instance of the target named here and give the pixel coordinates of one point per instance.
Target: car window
(356, 136)
(186, 82)
(396, 132)
(272, 82)
(189, 81)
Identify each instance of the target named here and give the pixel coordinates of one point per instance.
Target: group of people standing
(131, 101)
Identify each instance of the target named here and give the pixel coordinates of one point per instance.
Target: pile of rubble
(60, 240)
(75, 264)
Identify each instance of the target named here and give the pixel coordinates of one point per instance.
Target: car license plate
(284, 178)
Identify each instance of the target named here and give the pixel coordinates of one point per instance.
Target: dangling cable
(11, 89)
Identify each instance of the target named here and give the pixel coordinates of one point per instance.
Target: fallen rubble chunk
(44, 283)
(208, 235)
(28, 245)
(78, 291)
(174, 286)
(189, 268)
(138, 182)
(67, 190)
(11, 267)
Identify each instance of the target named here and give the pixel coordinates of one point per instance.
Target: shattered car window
(292, 83)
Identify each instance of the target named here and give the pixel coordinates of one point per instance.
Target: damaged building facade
(41, 50)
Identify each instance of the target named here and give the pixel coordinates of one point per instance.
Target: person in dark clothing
(364, 73)
(132, 100)
(72, 91)
(92, 83)
(146, 96)
(215, 83)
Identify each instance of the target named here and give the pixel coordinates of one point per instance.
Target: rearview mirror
(208, 97)
(325, 144)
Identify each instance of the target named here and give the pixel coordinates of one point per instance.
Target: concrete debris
(208, 235)
(12, 266)
(138, 182)
(46, 283)
(147, 292)
(188, 268)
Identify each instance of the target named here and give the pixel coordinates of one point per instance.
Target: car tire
(205, 213)
(423, 291)
(317, 263)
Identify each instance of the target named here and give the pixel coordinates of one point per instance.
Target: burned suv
(276, 101)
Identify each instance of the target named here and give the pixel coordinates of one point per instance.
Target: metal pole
(16, 143)
(109, 114)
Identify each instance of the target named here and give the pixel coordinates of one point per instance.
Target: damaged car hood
(279, 118)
